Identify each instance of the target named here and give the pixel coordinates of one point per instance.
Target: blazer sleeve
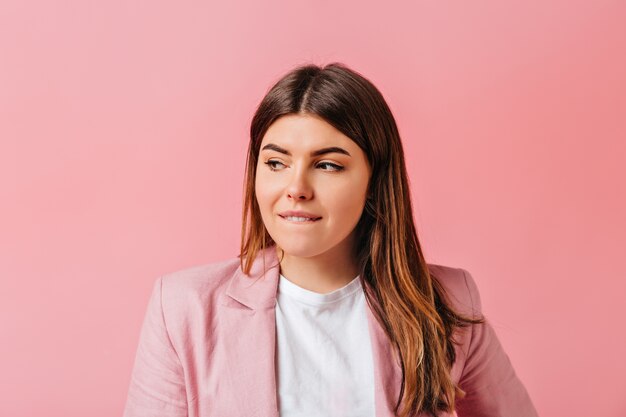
(157, 385)
(488, 378)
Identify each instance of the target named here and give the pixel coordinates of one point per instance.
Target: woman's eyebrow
(323, 151)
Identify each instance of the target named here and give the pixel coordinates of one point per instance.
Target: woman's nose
(299, 187)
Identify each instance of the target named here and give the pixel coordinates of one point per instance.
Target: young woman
(330, 309)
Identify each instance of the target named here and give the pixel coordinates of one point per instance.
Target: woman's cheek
(267, 195)
(351, 196)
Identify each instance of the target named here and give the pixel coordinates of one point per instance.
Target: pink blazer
(208, 339)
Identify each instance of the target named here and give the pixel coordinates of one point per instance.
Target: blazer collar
(252, 372)
(258, 289)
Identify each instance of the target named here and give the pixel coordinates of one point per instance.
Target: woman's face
(307, 165)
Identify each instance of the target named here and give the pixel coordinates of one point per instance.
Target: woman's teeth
(299, 219)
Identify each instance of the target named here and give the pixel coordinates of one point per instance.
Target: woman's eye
(334, 167)
(326, 166)
(272, 166)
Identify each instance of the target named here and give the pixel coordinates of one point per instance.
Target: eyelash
(336, 168)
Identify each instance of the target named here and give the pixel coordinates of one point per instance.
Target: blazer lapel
(387, 369)
(248, 339)
(249, 342)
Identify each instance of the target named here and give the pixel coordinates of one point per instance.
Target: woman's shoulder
(197, 285)
(460, 287)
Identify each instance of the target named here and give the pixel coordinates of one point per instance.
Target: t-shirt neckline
(311, 297)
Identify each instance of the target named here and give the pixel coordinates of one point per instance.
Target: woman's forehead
(305, 133)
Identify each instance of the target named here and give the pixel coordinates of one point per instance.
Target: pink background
(124, 125)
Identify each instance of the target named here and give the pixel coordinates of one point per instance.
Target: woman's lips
(298, 213)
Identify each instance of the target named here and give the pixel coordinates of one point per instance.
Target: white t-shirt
(324, 361)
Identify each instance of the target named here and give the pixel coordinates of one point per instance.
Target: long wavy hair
(405, 296)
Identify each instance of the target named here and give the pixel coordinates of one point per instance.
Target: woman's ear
(369, 206)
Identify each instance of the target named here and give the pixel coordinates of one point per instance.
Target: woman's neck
(323, 273)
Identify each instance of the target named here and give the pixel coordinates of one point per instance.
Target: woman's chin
(301, 251)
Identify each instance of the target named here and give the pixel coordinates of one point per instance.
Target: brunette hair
(405, 296)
